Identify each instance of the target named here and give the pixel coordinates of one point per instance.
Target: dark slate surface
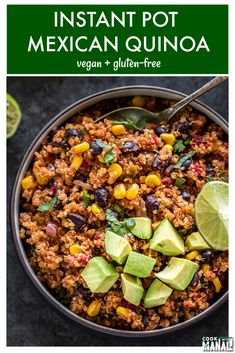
(31, 321)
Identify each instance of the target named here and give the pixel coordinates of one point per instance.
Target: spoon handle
(168, 113)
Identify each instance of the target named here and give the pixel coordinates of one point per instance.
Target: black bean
(101, 197)
(156, 163)
(55, 144)
(73, 133)
(83, 178)
(64, 143)
(51, 167)
(95, 149)
(159, 130)
(78, 220)
(63, 264)
(185, 195)
(130, 146)
(151, 203)
(182, 127)
(169, 170)
(145, 319)
(187, 163)
(84, 292)
(195, 280)
(207, 256)
(58, 205)
(210, 171)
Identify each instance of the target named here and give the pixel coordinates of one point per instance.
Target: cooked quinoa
(67, 191)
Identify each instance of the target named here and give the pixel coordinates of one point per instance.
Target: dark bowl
(57, 121)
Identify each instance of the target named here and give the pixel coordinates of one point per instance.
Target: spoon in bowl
(137, 114)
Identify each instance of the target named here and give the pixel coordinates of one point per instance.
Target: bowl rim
(14, 210)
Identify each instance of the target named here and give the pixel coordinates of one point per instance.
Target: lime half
(211, 213)
(13, 115)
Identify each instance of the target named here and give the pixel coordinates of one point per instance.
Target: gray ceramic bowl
(57, 121)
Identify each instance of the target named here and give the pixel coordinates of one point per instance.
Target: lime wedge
(13, 115)
(211, 213)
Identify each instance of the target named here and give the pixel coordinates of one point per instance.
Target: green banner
(117, 39)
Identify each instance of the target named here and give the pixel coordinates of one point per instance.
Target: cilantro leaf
(179, 182)
(119, 227)
(101, 144)
(86, 198)
(110, 216)
(47, 206)
(184, 158)
(109, 156)
(179, 146)
(186, 142)
(137, 125)
(118, 209)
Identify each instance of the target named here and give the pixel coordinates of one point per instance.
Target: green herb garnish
(101, 144)
(86, 198)
(138, 125)
(182, 231)
(186, 142)
(208, 179)
(119, 210)
(119, 227)
(179, 146)
(179, 182)
(48, 206)
(109, 157)
(184, 158)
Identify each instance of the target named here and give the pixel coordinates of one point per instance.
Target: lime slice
(211, 213)
(13, 115)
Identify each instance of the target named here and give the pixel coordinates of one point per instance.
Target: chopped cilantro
(101, 144)
(86, 198)
(184, 158)
(47, 206)
(109, 157)
(137, 125)
(179, 146)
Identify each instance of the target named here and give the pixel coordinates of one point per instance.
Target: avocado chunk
(157, 294)
(139, 265)
(166, 240)
(142, 228)
(178, 273)
(196, 242)
(117, 247)
(99, 275)
(132, 289)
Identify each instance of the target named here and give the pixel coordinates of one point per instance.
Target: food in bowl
(111, 216)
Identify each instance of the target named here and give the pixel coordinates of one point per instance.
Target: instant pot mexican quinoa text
(88, 177)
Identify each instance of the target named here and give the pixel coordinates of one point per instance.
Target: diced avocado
(142, 228)
(117, 247)
(178, 273)
(132, 289)
(196, 242)
(99, 275)
(167, 240)
(157, 294)
(139, 265)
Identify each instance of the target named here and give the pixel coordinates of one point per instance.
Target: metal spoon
(136, 114)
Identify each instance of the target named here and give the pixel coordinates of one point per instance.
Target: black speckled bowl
(57, 121)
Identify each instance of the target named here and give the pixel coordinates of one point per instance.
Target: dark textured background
(31, 321)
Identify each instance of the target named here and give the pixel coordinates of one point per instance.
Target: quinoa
(49, 234)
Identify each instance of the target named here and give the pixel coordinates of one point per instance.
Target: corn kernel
(94, 308)
(165, 152)
(96, 210)
(205, 267)
(155, 225)
(168, 138)
(28, 182)
(122, 311)
(217, 284)
(118, 130)
(115, 170)
(132, 192)
(191, 255)
(119, 191)
(152, 180)
(81, 147)
(76, 162)
(138, 101)
(75, 249)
